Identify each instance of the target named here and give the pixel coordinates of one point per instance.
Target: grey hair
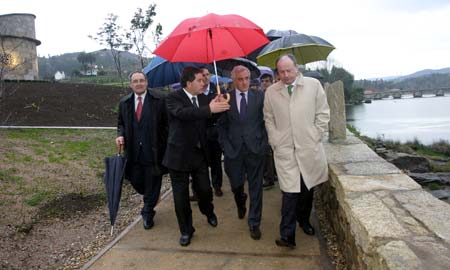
(238, 69)
(136, 72)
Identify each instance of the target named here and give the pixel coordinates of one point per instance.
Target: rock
(442, 178)
(441, 194)
(411, 163)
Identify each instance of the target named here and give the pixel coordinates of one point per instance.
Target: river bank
(428, 165)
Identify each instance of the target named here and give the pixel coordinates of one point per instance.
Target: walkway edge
(119, 237)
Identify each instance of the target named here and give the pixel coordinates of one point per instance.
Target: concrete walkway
(228, 246)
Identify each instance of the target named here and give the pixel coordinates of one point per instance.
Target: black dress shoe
(255, 233)
(148, 223)
(307, 228)
(281, 242)
(218, 192)
(241, 212)
(212, 220)
(185, 239)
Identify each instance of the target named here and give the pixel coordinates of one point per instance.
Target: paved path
(228, 246)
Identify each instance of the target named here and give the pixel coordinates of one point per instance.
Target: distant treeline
(69, 63)
(430, 81)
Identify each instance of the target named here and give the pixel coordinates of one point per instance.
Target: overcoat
(295, 126)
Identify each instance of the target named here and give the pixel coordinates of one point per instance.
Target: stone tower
(18, 46)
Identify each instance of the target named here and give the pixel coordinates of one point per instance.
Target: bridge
(399, 93)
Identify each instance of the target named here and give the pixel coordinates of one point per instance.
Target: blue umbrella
(161, 72)
(221, 79)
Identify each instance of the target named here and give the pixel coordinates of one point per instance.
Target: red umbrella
(210, 38)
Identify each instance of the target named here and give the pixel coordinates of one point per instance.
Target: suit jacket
(234, 132)
(154, 110)
(187, 129)
(295, 126)
(211, 124)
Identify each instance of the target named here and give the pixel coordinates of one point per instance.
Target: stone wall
(18, 38)
(383, 219)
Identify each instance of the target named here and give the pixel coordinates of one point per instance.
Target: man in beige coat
(296, 115)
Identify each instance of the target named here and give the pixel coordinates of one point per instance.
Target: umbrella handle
(119, 149)
(219, 93)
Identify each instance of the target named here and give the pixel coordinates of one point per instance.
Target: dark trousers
(147, 184)
(215, 154)
(180, 187)
(250, 166)
(295, 207)
(269, 167)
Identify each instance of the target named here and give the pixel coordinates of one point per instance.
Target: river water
(426, 118)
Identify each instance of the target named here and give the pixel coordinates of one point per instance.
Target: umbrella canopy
(265, 70)
(161, 72)
(210, 38)
(221, 79)
(224, 67)
(115, 168)
(305, 48)
(273, 34)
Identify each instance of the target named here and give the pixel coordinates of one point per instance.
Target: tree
(87, 60)
(139, 26)
(111, 35)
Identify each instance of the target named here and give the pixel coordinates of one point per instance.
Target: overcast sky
(373, 38)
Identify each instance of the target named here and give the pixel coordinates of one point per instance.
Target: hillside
(68, 63)
(425, 79)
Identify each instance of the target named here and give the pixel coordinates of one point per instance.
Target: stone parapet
(382, 218)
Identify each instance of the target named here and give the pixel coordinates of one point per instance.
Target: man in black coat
(214, 149)
(243, 137)
(142, 129)
(186, 154)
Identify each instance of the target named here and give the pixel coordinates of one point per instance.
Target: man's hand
(218, 104)
(120, 140)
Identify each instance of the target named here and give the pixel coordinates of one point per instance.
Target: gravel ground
(70, 243)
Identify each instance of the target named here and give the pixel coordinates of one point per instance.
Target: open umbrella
(273, 34)
(305, 48)
(211, 38)
(115, 167)
(224, 67)
(161, 72)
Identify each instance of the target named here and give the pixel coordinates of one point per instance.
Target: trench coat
(295, 126)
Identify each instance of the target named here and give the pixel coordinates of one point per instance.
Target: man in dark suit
(186, 154)
(142, 129)
(244, 140)
(214, 149)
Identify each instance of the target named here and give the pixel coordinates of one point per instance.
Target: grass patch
(8, 176)
(37, 198)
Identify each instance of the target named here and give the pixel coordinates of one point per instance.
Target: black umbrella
(272, 34)
(115, 168)
(224, 67)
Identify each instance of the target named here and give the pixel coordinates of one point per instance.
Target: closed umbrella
(114, 172)
(305, 48)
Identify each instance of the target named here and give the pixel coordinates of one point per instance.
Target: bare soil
(53, 209)
(59, 104)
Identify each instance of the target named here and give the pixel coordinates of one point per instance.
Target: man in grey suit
(243, 138)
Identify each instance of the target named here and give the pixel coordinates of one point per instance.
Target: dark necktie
(243, 107)
(290, 89)
(194, 101)
(139, 109)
